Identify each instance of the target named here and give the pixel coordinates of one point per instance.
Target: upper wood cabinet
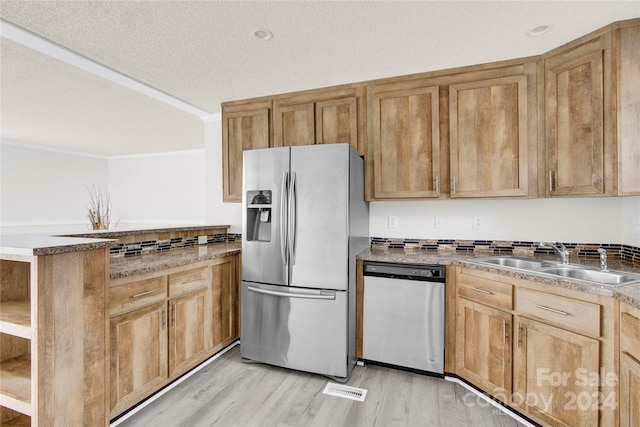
(493, 138)
(556, 125)
(592, 103)
(404, 130)
(325, 117)
(244, 127)
(471, 133)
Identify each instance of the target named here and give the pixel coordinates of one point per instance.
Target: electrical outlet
(478, 222)
(438, 222)
(636, 227)
(393, 221)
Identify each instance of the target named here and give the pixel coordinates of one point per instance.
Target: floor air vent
(345, 391)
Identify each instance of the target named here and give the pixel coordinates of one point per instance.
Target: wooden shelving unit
(53, 334)
(18, 339)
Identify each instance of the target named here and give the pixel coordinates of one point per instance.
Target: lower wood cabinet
(138, 354)
(164, 323)
(546, 351)
(553, 373)
(225, 300)
(187, 330)
(483, 347)
(629, 366)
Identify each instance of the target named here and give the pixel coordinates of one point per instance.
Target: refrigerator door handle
(322, 295)
(284, 208)
(293, 218)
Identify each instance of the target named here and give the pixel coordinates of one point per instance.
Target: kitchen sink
(609, 278)
(519, 263)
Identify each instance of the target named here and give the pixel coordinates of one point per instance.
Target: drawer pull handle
(553, 310)
(482, 291)
(143, 294)
(197, 279)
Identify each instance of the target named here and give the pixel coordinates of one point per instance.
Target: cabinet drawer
(133, 295)
(630, 334)
(190, 280)
(487, 291)
(567, 313)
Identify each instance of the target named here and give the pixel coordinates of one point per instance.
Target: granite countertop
(155, 261)
(629, 294)
(151, 230)
(42, 244)
(50, 244)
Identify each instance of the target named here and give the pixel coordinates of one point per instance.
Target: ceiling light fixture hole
(262, 34)
(538, 31)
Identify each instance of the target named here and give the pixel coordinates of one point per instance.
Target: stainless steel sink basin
(610, 278)
(519, 263)
(607, 278)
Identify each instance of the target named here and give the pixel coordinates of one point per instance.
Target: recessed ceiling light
(538, 31)
(262, 34)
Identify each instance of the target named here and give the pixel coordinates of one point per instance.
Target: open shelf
(15, 318)
(15, 383)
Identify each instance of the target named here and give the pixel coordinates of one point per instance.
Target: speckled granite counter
(629, 294)
(151, 230)
(42, 244)
(145, 263)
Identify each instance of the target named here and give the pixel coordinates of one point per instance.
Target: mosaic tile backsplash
(146, 246)
(503, 247)
(498, 247)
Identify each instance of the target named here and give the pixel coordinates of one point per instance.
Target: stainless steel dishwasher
(403, 316)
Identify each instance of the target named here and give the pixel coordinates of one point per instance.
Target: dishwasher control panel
(432, 273)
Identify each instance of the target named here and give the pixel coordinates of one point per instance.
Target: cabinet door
(406, 143)
(578, 109)
(138, 355)
(483, 347)
(293, 124)
(337, 121)
(225, 303)
(489, 137)
(244, 127)
(187, 330)
(629, 391)
(554, 373)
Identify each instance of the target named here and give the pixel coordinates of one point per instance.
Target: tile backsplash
(504, 247)
(147, 246)
(498, 247)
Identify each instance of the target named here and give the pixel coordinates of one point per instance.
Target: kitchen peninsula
(50, 285)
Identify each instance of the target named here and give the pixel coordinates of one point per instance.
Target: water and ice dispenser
(259, 215)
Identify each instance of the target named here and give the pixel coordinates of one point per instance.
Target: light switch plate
(438, 222)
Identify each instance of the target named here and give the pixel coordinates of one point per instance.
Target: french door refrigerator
(304, 220)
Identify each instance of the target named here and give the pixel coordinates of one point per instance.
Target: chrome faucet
(603, 260)
(560, 249)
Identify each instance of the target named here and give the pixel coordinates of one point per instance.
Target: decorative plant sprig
(99, 208)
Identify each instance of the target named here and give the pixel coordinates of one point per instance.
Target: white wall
(584, 220)
(42, 189)
(159, 189)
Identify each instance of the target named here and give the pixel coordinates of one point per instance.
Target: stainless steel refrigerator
(304, 220)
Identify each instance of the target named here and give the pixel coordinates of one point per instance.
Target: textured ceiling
(203, 52)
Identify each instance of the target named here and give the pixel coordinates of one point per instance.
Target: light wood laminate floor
(228, 392)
